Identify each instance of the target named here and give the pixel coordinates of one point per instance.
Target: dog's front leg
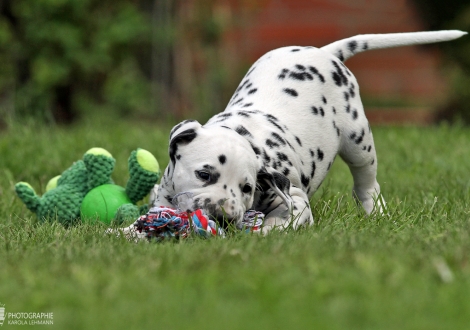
(281, 218)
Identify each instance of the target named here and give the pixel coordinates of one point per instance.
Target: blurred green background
(64, 59)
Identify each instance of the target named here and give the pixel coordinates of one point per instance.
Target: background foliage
(444, 15)
(62, 59)
(65, 58)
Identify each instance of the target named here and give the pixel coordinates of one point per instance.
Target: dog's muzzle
(188, 202)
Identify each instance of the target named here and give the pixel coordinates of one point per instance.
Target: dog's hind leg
(358, 151)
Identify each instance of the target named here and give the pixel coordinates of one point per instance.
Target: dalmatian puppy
(295, 110)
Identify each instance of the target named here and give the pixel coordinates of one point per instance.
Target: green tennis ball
(147, 161)
(102, 202)
(52, 183)
(99, 151)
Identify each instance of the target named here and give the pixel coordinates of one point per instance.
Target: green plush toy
(85, 190)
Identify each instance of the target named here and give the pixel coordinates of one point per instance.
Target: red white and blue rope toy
(162, 223)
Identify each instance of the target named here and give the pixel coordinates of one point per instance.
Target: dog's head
(219, 168)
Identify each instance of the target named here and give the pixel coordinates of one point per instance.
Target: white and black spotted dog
(293, 112)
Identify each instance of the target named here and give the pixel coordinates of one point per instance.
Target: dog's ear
(278, 182)
(184, 125)
(184, 132)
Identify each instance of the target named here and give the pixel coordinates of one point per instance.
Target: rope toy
(163, 223)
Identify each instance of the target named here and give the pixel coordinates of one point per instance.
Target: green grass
(408, 270)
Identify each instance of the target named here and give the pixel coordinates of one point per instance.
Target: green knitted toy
(85, 189)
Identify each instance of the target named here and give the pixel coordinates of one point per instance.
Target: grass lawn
(408, 270)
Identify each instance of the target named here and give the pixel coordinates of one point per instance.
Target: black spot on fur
(365, 46)
(300, 67)
(295, 50)
(305, 180)
(322, 112)
(337, 79)
(324, 99)
(271, 144)
(334, 110)
(238, 101)
(312, 153)
(354, 114)
(336, 128)
(247, 105)
(255, 149)
(359, 138)
(298, 141)
(314, 167)
(368, 149)
(320, 154)
(282, 157)
(373, 161)
(338, 75)
(178, 157)
(314, 110)
(222, 159)
(301, 76)
(352, 93)
(291, 92)
(348, 108)
(243, 114)
(252, 91)
(266, 157)
(315, 71)
(352, 45)
(271, 121)
(278, 138)
(340, 55)
(346, 96)
(243, 131)
(271, 117)
(283, 73)
(242, 85)
(290, 145)
(286, 171)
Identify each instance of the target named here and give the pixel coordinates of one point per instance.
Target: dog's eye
(246, 189)
(202, 175)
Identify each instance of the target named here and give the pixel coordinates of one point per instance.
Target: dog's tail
(344, 49)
